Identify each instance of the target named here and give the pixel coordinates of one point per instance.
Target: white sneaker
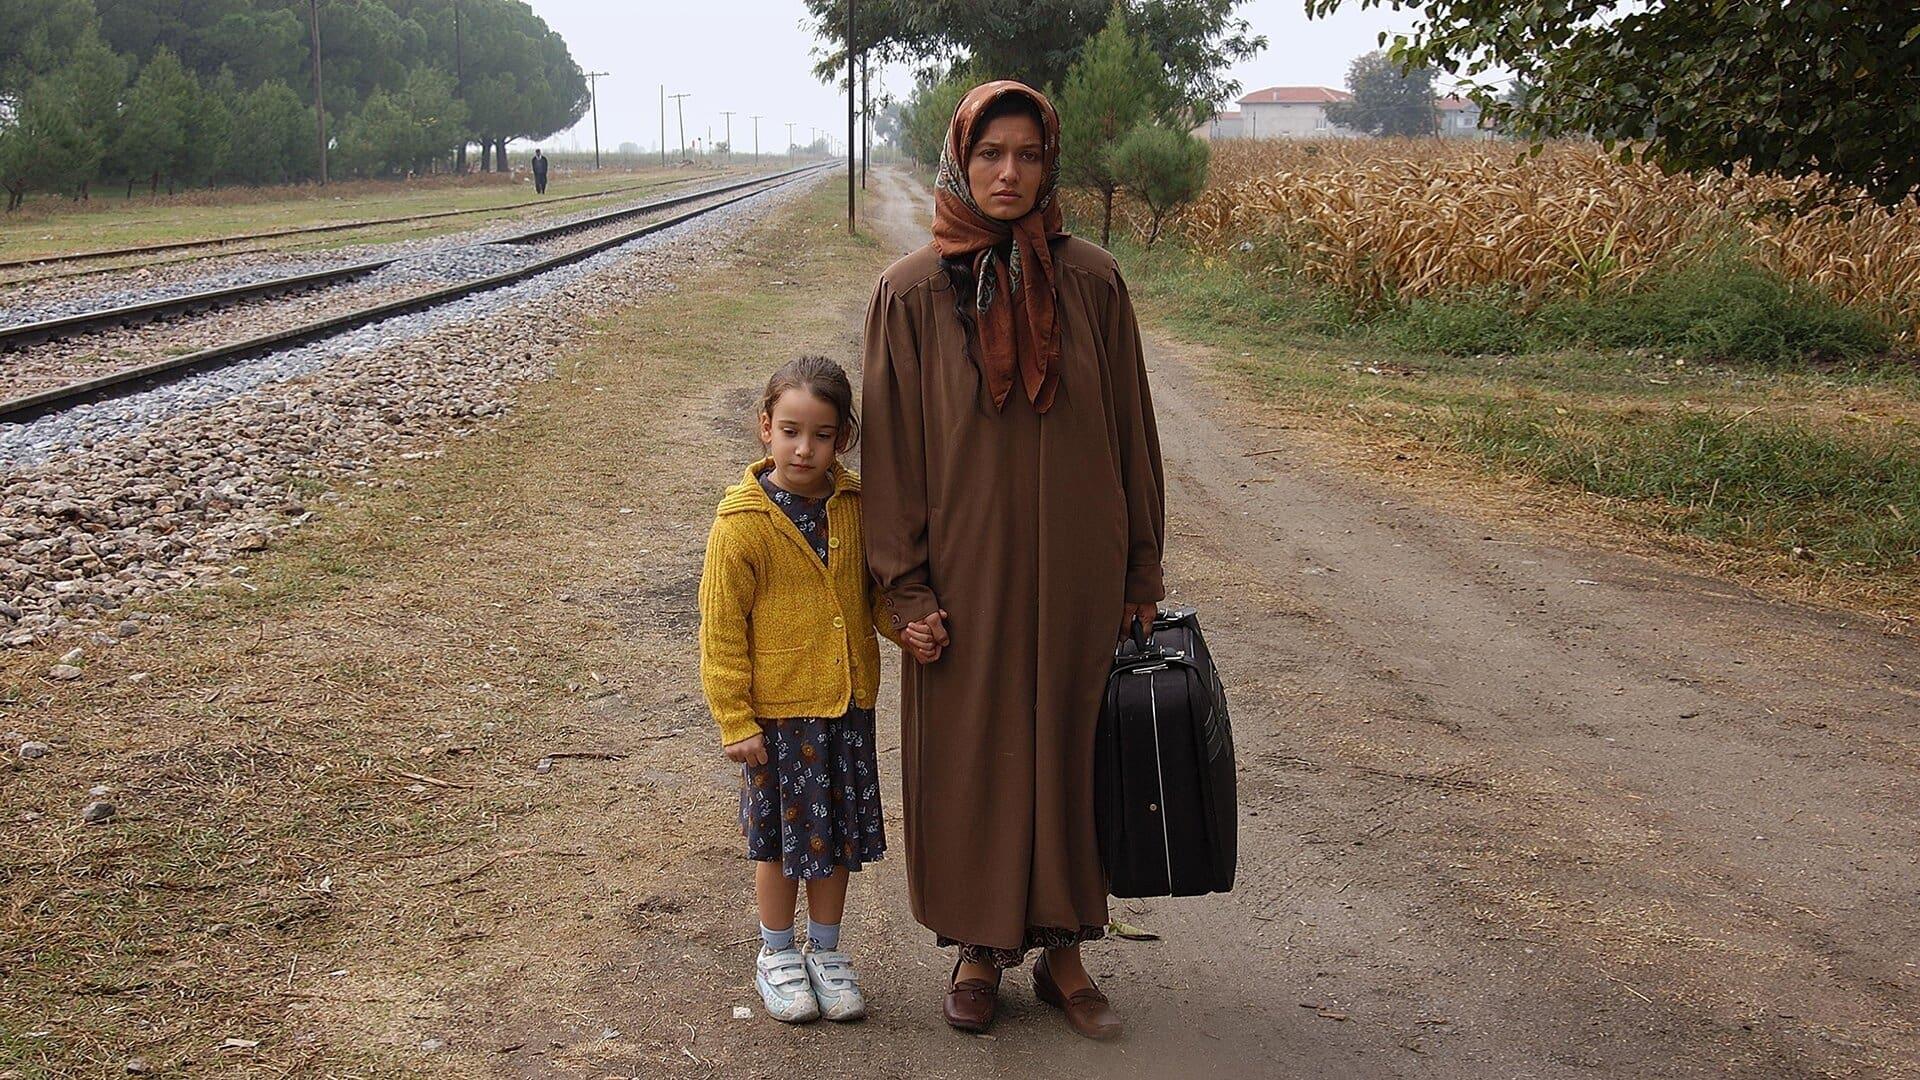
(784, 986)
(835, 985)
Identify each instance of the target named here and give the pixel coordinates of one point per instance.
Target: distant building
(1224, 125)
(1289, 112)
(1300, 112)
(1460, 119)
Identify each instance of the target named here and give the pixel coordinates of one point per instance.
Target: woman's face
(1006, 167)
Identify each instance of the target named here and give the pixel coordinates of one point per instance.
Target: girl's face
(802, 435)
(1006, 167)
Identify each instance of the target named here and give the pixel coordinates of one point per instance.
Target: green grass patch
(1759, 483)
(1724, 308)
(1718, 402)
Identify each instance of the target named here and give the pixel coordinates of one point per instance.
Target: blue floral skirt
(815, 804)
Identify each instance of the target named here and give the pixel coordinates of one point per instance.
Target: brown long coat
(1031, 531)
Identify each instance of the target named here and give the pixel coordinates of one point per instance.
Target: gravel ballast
(120, 500)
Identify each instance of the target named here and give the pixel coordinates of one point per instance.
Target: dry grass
(52, 227)
(1382, 220)
(333, 840)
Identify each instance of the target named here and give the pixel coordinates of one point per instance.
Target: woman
(1013, 511)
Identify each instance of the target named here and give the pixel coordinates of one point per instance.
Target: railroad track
(276, 234)
(141, 377)
(23, 335)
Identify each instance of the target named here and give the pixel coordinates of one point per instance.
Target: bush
(1724, 309)
(1469, 324)
(1162, 167)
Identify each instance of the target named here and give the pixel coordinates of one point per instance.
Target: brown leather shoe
(1087, 1010)
(969, 1004)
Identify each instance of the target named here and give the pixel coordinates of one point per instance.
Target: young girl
(791, 669)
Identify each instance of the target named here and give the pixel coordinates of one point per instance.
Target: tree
(1387, 100)
(1117, 84)
(38, 35)
(1164, 167)
(1786, 88)
(272, 136)
(46, 147)
(929, 112)
(1038, 41)
(154, 129)
(209, 130)
(405, 129)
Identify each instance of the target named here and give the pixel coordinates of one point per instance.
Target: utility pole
(729, 117)
(680, 108)
(852, 89)
(756, 140)
(319, 99)
(866, 119)
(459, 83)
(593, 95)
(663, 123)
(789, 142)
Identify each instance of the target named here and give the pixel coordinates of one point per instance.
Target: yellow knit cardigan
(781, 633)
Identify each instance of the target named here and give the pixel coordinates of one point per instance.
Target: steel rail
(137, 379)
(23, 335)
(335, 226)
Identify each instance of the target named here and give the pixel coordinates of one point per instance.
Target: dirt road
(1512, 807)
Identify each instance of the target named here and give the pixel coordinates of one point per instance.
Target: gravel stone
(98, 813)
(33, 750)
(63, 673)
(118, 502)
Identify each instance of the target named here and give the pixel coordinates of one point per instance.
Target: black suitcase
(1163, 766)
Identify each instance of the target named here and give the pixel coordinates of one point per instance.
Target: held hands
(1146, 613)
(925, 639)
(751, 750)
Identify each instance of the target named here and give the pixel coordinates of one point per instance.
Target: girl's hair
(823, 379)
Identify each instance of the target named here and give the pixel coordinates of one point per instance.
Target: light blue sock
(823, 937)
(776, 940)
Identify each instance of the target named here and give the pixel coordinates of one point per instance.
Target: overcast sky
(754, 56)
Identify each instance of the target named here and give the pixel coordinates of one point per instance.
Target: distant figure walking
(539, 173)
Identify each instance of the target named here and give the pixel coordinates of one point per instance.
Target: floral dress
(815, 804)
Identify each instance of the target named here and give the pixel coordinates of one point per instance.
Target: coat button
(838, 622)
(833, 541)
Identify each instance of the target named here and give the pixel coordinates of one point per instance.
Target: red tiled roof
(1455, 103)
(1295, 95)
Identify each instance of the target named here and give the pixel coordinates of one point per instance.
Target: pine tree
(1117, 84)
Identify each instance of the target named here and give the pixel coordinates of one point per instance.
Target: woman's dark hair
(825, 380)
(1008, 104)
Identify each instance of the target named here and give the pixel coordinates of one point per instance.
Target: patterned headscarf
(961, 230)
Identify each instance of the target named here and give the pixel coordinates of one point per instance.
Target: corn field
(1384, 219)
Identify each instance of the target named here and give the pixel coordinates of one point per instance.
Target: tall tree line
(157, 92)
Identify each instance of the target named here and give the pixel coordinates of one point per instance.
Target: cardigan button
(838, 622)
(833, 541)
